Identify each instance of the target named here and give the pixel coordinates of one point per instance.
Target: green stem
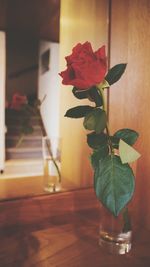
(126, 218)
(109, 140)
(101, 91)
(127, 222)
(53, 160)
(49, 150)
(20, 140)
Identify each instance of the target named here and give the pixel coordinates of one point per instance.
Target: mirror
(39, 34)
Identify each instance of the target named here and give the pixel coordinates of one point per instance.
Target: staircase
(30, 147)
(23, 154)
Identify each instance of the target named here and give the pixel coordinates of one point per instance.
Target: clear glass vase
(115, 234)
(52, 162)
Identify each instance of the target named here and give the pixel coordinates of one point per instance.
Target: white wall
(2, 98)
(49, 85)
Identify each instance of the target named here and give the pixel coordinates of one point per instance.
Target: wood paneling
(80, 21)
(33, 210)
(130, 97)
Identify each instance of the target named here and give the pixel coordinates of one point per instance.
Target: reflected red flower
(18, 101)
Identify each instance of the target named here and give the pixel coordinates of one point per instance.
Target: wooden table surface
(70, 240)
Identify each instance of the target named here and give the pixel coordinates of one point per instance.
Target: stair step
(24, 153)
(30, 146)
(14, 121)
(25, 149)
(16, 130)
(22, 168)
(27, 141)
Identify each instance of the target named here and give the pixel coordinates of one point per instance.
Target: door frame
(2, 98)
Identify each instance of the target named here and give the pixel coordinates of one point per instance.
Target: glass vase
(52, 162)
(115, 234)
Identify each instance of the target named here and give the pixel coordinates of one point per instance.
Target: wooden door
(130, 97)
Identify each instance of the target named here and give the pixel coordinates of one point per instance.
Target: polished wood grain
(130, 97)
(32, 210)
(68, 240)
(80, 21)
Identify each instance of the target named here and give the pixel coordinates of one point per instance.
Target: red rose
(85, 68)
(18, 101)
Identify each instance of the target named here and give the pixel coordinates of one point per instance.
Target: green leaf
(114, 183)
(26, 108)
(115, 73)
(78, 112)
(95, 120)
(37, 103)
(127, 135)
(93, 95)
(99, 154)
(80, 94)
(127, 153)
(115, 141)
(96, 140)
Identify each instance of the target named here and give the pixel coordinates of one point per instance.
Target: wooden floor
(68, 240)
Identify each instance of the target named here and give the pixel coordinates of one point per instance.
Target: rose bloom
(85, 68)
(18, 101)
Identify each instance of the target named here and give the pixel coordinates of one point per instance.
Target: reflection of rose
(85, 68)
(18, 101)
